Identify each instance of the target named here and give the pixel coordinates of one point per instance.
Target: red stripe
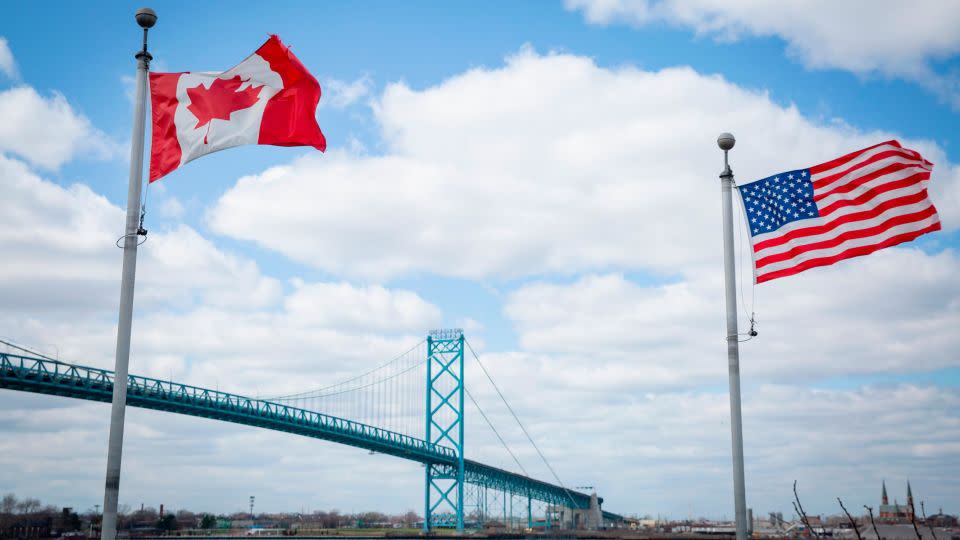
(834, 163)
(165, 152)
(848, 254)
(873, 192)
(903, 152)
(290, 117)
(827, 227)
(848, 235)
(854, 183)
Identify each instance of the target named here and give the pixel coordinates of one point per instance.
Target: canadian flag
(269, 98)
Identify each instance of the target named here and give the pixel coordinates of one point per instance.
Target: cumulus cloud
(172, 208)
(547, 164)
(671, 335)
(652, 449)
(203, 316)
(648, 448)
(51, 228)
(882, 37)
(164, 452)
(46, 131)
(574, 168)
(341, 94)
(375, 307)
(201, 312)
(8, 66)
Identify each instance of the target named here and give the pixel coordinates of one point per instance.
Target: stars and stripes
(851, 206)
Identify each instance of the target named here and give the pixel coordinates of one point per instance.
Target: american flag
(851, 206)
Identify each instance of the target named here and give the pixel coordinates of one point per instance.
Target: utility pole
(251, 507)
(726, 141)
(146, 18)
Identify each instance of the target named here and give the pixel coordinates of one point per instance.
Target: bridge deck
(43, 376)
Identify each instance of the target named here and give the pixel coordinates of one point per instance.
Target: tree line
(29, 518)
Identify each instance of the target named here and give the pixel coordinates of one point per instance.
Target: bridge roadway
(44, 376)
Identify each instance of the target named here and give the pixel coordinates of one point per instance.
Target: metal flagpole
(726, 141)
(146, 18)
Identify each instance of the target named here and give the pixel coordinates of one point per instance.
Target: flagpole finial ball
(146, 17)
(726, 141)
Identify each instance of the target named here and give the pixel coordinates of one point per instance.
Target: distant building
(903, 532)
(896, 513)
(942, 520)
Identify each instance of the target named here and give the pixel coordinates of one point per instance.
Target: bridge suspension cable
(389, 396)
(495, 432)
(28, 351)
(319, 391)
(519, 423)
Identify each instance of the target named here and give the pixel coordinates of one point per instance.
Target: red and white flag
(851, 206)
(269, 98)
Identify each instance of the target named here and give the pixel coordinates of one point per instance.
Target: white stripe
(818, 221)
(859, 159)
(867, 186)
(242, 127)
(857, 242)
(846, 227)
(863, 171)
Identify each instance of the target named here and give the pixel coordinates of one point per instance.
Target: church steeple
(883, 498)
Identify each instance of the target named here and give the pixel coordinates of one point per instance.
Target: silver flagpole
(146, 18)
(726, 141)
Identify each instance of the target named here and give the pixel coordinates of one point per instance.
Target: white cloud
(51, 228)
(877, 37)
(172, 208)
(341, 94)
(547, 164)
(8, 66)
(202, 316)
(187, 463)
(47, 132)
(599, 422)
(373, 307)
(569, 169)
(651, 450)
(201, 312)
(858, 317)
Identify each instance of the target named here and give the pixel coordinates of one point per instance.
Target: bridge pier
(589, 517)
(505, 509)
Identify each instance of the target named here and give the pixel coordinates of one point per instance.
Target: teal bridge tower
(444, 481)
(440, 447)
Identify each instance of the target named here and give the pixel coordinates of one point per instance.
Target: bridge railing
(54, 377)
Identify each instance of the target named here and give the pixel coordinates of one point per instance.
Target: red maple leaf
(220, 100)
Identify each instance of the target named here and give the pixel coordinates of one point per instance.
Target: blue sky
(507, 168)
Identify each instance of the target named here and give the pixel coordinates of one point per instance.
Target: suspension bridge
(412, 407)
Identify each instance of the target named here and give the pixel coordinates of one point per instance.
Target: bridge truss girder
(44, 376)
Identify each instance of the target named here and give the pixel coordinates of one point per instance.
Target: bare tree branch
(803, 515)
(872, 522)
(853, 522)
(913, 521)
(927, 521)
